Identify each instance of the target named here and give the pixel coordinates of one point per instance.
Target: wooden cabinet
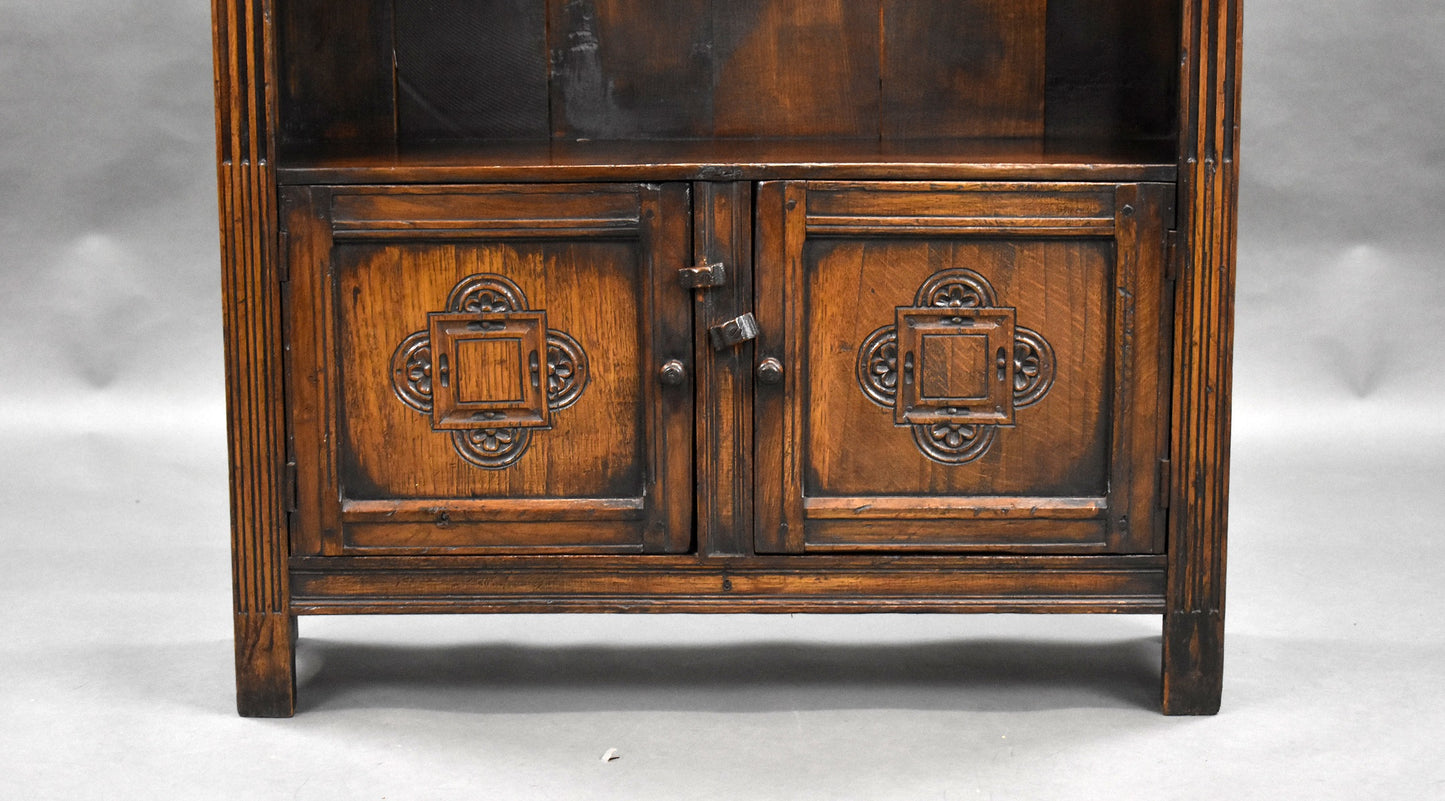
(480, 369)
(698, 306)
(967, 367)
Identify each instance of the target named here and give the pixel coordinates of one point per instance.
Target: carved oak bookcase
(728, 306)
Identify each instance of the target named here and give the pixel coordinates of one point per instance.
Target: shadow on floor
(975, 674)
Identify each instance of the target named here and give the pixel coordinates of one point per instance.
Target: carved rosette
(1033, 367)
(531, 371)
(411, 372)
(954, 443)
(878, 366)
(954, 367)
(566, 370)
(955, 289)
(492, 448)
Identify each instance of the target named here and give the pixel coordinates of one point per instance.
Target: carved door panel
(964, 367)
(490, 369)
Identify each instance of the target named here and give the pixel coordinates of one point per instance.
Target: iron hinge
(1165, 476)
(734, 332)
(1171, 255)
(288, 487)
(283, 257)
(704, 275)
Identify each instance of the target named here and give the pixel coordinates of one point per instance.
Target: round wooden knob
(770, 371)
(673, 373)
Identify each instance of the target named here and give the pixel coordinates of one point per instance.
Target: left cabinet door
(495, 369)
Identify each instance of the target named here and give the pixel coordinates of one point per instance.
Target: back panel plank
(703, 68)
(630, 68)
(336, 71)
(797, 69)
(963, 68)
(471, 68)
(1106, 69)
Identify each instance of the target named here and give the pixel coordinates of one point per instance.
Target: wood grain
(963, 68)
(1203, 354)
(795, 69)
(663, 584)
(470, 69)
(1081, 265)
(1076, 157)
(1108, 69)
(723, 232)
(336, 80)
(375, 71)
(735, 159)
(612, 470)
(250, 289)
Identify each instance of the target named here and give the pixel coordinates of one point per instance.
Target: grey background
(115, 659)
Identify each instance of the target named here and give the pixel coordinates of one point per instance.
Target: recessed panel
(523, 412)
(961, 380)
(489, 370)
(973, 419)
(954, 367)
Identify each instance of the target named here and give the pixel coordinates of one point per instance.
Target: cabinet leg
(1193, 674)
(266, 665)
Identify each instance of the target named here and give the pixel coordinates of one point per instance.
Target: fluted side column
(250, 281)
(1203, 347)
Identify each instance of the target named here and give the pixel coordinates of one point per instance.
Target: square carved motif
(489, 370)
(956, 366)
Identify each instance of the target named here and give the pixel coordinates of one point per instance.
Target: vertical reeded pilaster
(251, 289)
(1203, 348)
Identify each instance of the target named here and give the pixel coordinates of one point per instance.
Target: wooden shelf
(732, 159)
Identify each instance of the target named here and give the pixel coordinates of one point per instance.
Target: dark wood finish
(374, 70)
(623, 69)
(478, 359)
(736, 159)
(1094, 584)
(479, 459)
(250, 290)
(963, 68)
(1204, 345)
(785, 68)
(1105, 69)
(312, 424)
(723, 235)
(337, 82)
(471, 68)
(1065, 466)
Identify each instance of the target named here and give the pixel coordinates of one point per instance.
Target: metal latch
(289, 486)
(734, 332)
(703, 275)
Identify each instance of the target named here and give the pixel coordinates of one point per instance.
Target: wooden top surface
(733, 159)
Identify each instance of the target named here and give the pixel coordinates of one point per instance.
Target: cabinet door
(963, 367)
(481, 369)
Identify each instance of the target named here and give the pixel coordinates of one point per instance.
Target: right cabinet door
(961, 367)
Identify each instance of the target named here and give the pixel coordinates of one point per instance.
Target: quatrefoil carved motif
(954, 367)
(488, 371)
